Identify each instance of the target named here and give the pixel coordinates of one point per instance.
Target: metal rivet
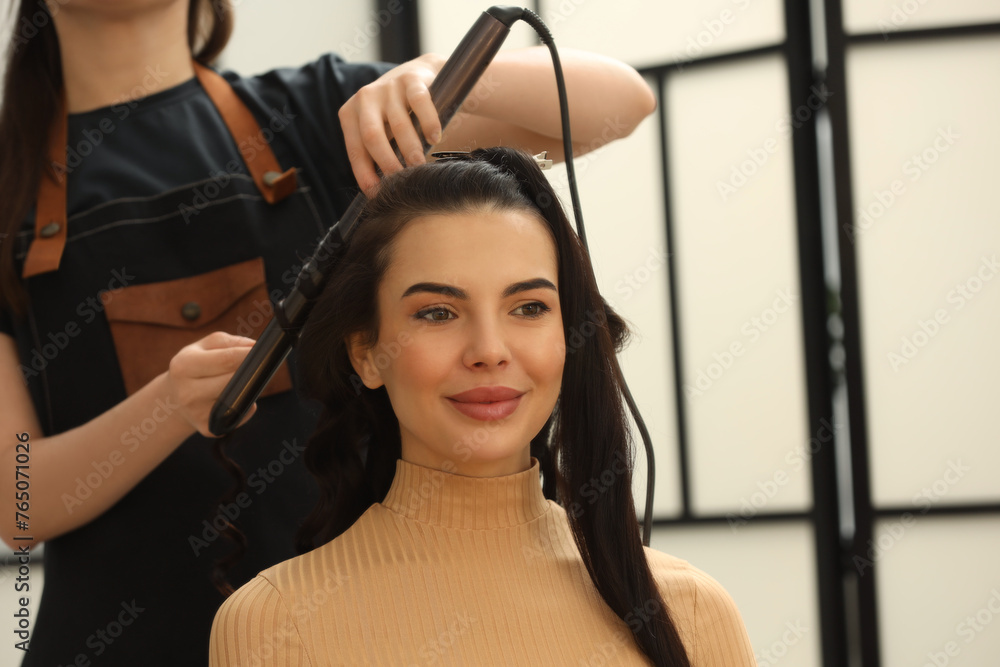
(191, 311)
(49, 230)
(270, 177)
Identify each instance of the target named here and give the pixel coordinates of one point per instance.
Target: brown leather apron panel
(150, 323)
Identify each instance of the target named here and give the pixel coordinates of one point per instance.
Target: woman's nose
(486, 345)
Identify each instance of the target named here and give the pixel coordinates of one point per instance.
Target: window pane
(738, 289)
(443, 24)
(924, 141)
(938, 586)
(888, 16)
(652, 32)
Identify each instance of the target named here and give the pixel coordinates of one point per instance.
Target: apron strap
(46, 249)
(273, 184)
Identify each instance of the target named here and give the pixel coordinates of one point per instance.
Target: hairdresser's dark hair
(32, 90)
(354, 449)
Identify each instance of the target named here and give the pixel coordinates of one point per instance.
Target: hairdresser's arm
(514, 104)
(179, 400)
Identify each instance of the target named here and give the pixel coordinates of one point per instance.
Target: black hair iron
(449, 89)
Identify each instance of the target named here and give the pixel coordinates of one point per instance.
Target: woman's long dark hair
(32, 89)
(354, 449)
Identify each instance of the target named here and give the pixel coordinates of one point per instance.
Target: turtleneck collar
(441, 498)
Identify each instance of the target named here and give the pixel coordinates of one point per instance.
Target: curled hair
(354, 449)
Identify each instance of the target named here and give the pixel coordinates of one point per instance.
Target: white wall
(286, 34)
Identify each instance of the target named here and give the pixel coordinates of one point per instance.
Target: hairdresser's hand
(200, 371)
(381, 111)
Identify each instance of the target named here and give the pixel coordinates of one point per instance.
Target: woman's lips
(487, 403)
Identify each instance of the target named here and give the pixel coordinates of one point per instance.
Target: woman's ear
(362, 361)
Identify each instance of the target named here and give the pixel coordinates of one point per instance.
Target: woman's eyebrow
(525, 285)
(435, 288)
(458, 293)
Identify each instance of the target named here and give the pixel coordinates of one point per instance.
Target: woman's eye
(435, 314)
(532, 310)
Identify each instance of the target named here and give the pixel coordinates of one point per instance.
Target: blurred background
(805, 237)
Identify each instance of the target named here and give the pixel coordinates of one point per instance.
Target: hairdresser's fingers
(199, 372)
(418, 97)
(398, 117)
(361, 162)
(372, 107)
(221, 339)
(199, 361)
(195, 398)
(190, 384)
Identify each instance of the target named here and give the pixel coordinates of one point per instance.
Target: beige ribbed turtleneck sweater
(456, 570)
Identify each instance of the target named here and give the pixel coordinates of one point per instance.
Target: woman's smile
(487, 403)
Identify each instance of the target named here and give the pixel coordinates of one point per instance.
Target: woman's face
(471, 345)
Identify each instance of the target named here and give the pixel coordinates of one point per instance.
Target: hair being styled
(32, 92)
(354, 449)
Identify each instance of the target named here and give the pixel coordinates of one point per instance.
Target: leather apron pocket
(150, 323)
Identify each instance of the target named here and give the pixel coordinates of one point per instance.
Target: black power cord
(535, 22)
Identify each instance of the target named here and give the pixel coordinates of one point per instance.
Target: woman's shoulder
(269, 615)
(705, 613)
(679, 578)
(255, 622)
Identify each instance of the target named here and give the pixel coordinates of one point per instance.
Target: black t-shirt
(158, 191)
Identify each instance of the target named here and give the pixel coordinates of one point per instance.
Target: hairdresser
(149, 204)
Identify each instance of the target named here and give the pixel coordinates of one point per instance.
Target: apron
(114, 292)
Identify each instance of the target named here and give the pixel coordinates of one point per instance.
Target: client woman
(439, 353)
